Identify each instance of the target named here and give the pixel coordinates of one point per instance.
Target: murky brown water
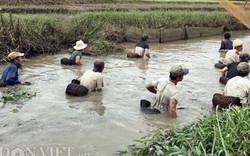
(105, 122)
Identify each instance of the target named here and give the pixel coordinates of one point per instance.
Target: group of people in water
(236, 70)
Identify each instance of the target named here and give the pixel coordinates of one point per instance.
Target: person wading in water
(76, 56)
(10, 72)
(167, 94)
(141, 48)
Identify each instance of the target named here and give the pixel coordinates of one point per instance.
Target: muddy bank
(102, 30)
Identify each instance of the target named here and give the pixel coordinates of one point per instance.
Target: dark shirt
(10, 74)
(142, 44)
(226, 44)
(232, 70)
(73, 56)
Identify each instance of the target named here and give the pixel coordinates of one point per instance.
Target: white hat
(80, 45)
(14, 54)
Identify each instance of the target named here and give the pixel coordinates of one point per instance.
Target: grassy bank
(47, 33)
(220, 133)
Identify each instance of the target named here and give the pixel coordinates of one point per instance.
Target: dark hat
(244, 57)
(144, 37)
(178, 71)
(243, 67)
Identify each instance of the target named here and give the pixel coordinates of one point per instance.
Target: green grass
(47, 33)
(220, 133)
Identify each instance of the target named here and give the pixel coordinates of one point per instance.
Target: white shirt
(92, 80)
(140, 51)
(238, 87)
(231, 56)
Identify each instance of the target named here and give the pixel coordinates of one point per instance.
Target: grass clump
(220, 133)
(16, 93)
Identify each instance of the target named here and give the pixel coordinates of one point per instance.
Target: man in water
(233, 55)
(231, 68)
(10, 72)
(226, 44)
(167, 94)
(239, 86)
(76, 56)
(93, 79)
(141, 48)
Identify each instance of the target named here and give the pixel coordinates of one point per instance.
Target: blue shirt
(232, 70)
(142, 44)
(10, 74)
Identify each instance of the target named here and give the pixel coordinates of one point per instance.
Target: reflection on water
(90, 102)
(103, 122)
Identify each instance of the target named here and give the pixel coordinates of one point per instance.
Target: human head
(15, 57)
(144, 37)
(227, 35)
(238, 44)
(98, 66)
(178, 72)
(243, 69)
(244, 57)
(80, 45)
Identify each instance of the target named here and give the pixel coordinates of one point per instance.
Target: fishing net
(238, 12)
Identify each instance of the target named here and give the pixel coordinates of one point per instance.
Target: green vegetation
(16, 93)
(47, 33)
(220, 133)
(97, 22)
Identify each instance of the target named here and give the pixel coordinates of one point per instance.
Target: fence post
(161, 35)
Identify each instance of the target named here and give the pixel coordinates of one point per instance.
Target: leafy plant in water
(16, 93)
(220, 133)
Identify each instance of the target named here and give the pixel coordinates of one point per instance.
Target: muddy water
(102, 123)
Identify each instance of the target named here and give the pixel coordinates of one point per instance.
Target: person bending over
(93, 79)
(233, 55)
(230, 70)
(141, 48)
(76, 56)
(239, 86)
(10, 72)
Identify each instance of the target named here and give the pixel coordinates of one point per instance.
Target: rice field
(58, 23)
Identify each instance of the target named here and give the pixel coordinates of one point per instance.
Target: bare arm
(172, 108)
(99, 84)
(78, 60)
(151, 88)
(223, 71)
(147, 53)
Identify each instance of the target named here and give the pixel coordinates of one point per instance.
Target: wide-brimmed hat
(15, 54)
(80, 45)
(243, 67)
(237, 43)
(177, 71)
